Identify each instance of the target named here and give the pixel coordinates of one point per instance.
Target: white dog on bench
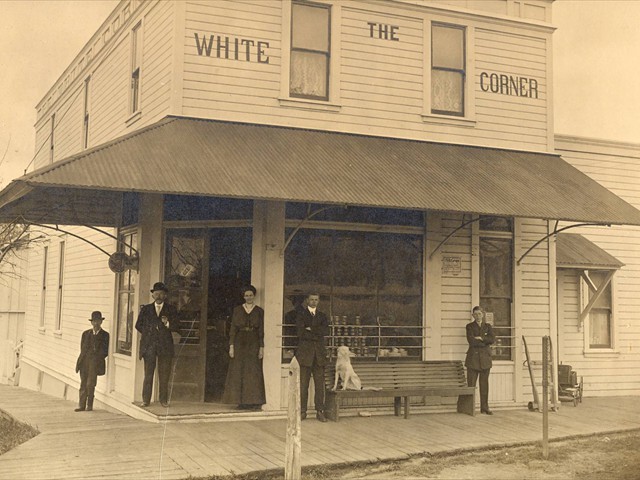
(345, 372)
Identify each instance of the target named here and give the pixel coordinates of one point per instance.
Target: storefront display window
(370, 285)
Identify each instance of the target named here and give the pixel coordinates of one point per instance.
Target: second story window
(447, 69)
(85, 121)
(51, 137)
(136, 64)
(310, 51)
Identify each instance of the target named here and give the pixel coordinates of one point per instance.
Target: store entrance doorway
(205, 270)
(229, 271)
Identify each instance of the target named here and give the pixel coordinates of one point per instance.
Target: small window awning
(575, 251)
(188, 156)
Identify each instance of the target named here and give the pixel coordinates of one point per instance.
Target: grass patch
(13, 432)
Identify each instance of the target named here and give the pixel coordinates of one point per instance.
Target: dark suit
(312, 355)
(478, 360)
(94, 348)
(156, 345)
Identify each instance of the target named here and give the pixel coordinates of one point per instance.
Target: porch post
(150, 271)
(433, 288)
(267, 274)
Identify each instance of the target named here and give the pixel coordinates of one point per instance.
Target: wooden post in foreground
(545, 397)
(292, 462)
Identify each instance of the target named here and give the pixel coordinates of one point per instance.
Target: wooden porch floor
(100, 444)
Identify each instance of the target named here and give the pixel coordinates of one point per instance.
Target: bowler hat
(97, 315)
(159, 286)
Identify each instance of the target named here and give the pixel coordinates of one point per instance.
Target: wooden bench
(402, 380)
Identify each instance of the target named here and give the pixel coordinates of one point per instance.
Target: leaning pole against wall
(292, 461)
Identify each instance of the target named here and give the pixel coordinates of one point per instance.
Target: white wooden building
(397, 156)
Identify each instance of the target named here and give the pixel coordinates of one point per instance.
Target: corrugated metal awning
(204, 157)
(575, 251)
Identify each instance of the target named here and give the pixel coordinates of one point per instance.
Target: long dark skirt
(245, 380)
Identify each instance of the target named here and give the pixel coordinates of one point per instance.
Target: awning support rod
(464, 224)
(58, 229)
(557, 231)
(112, 236)
(304, 220)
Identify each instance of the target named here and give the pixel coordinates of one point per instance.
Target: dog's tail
(374, 389)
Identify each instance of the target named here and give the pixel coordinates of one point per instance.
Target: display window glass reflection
(370, 285)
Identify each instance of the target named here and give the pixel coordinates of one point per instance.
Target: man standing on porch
(478, 361)
(156, 322)
(312, 327)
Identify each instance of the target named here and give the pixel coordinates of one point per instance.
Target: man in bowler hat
(94, 348)
(156, 321)
(478, 361)
(312, 327)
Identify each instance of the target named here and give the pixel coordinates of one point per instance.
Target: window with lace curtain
(310, 51)
(447, 69)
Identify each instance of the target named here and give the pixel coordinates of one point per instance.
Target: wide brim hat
(97, 315)
(159, 286)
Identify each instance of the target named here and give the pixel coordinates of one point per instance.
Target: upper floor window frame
(331, 102)
(135, 77)
(467, 116)
(86, 115)
(52, 138)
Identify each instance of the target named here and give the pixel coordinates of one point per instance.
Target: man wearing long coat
(94, 349)
(478, 361)
(156, 322)
(312, 327)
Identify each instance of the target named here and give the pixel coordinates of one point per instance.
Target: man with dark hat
(94, 348)
(156, 322)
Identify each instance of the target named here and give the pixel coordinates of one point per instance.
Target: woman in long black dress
(245, 380)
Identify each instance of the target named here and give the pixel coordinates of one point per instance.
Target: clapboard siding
(110, 95)
(109, 87)
(158, 48)
(456, 294)
(88, 285)
(617, 167)
(381, 83)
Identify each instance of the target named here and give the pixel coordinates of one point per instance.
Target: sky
(595, 55)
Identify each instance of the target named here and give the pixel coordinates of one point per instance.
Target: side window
(126, 291)
(43, 298)
(60, 286)
(136, 64)
(448, 69)
(310, 51)
(599, 322)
